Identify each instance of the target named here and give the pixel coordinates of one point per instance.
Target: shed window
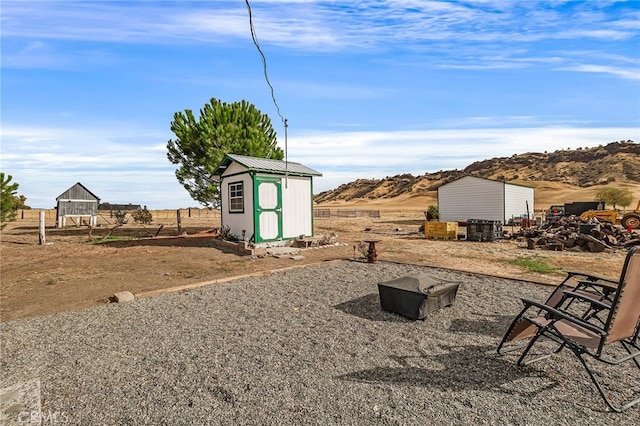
(236, 197)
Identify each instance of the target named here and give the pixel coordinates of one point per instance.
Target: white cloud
(380, 154)
(626, 73)
(313, 25)
(46, 161)
(448, 33)
(117, 141)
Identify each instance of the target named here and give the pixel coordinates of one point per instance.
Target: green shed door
(268, 196)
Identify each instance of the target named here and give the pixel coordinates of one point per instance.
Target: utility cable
(264, 62)
(266, 77)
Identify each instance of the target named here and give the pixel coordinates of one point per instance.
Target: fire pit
(415, 296)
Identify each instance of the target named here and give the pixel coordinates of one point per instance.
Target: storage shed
(266, 201)
(77, 203)
(472, 197)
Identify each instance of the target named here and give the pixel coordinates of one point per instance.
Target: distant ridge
(617, 162)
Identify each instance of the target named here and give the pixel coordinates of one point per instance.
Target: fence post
(179, 222)
(41, 236)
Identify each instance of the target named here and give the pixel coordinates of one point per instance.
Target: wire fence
(329, 213)
(107, 217)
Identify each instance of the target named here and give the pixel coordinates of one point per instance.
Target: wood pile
(570, 233)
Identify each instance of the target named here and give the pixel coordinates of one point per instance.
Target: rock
(123, 296)
(595, 247)
(571, 233)
(632, 242)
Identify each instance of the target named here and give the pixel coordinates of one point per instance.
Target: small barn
(77, 204)
(266, 201)
(472, 197)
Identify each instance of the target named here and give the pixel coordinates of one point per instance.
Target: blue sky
(369, 88)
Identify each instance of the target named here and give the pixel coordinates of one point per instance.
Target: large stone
(123, 296)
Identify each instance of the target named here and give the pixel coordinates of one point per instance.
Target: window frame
(233, 197)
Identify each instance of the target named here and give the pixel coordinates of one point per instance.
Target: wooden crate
(441, 230)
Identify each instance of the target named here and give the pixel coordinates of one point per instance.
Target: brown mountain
(582, 171)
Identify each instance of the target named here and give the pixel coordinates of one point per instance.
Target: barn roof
(77, 191)
(111, 206)
(265, 165)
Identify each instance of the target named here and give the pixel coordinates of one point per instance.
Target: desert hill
(560, 176)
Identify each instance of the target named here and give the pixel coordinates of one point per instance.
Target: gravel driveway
(304, 346)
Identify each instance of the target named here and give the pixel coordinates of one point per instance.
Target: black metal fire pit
(415, 296)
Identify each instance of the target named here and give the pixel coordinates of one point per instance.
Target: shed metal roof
(266, 165)
(487, 179)
(78, 191)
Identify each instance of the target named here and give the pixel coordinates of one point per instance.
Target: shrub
(363, 248)
(433, 213)
(142, 216)
(121, 217)
(226, 235)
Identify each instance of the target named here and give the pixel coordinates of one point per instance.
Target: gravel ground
(304, 346)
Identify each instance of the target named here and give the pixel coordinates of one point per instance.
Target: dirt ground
(71, 272)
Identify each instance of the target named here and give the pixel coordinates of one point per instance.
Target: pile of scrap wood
(572, 234)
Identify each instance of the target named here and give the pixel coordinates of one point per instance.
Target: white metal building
(266, 201)
(478, 198)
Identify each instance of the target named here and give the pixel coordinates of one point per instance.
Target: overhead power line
(264, 64)
(266, 77)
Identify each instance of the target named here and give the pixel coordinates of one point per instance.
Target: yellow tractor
(630, 219)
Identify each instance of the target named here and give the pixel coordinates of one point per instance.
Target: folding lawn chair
(579, 332)
(601, 289)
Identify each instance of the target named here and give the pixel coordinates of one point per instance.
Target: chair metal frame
(583, 336)
(575, 283)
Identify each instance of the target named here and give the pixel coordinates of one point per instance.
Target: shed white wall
(476, 198)
(515, 202)
(233, 169)
(297, 211)
(238, 221)
(471, 198)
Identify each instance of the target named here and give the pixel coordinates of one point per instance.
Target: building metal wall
(77, 202)
(238, 221)
(297, 207)
(516, 198)
(77, 208)
(471, 198)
